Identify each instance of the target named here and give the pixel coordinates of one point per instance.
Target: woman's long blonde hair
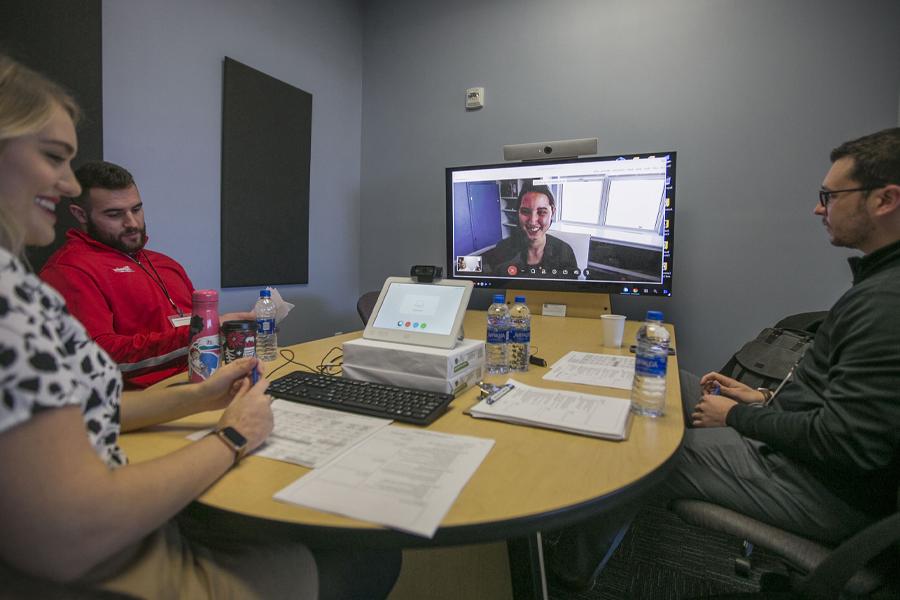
(27, 100)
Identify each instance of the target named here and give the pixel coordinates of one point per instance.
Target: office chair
(815, 570)
(366, 304)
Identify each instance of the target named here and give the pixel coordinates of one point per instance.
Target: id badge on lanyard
(180, 321)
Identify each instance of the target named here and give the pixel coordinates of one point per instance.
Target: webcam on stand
(426, 273)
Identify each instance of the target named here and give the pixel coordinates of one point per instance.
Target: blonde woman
(71, 509)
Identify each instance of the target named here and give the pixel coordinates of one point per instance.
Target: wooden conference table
(532, 480)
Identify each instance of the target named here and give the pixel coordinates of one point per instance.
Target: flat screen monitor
(598, 224)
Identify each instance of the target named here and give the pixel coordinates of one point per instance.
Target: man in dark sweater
(820, 458)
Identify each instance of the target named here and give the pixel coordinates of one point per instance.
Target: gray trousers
(723, 467)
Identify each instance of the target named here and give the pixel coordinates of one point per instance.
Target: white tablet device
(425, 314)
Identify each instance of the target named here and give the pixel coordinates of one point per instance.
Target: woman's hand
(219, 390)
(250, 412)
(731, 388)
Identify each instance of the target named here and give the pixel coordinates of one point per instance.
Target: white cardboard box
(458, 383)
(437, 369)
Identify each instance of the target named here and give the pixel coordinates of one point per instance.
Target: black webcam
(425, 273)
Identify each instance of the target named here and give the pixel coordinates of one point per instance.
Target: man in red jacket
(135, 303)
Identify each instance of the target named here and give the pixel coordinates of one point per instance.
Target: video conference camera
(545, 150)
(426, 273)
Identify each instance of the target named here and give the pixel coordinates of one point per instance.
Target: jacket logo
(125, 269)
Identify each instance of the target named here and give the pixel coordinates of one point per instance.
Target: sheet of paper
(587, 414)
(311, 436)
(608, 370)
(403, 478)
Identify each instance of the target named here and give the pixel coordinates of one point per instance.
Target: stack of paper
(403, 478)
(585, 414)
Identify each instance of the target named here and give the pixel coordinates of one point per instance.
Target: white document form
(403, 478)
(608, 370)
(586, 414)
(310, 436)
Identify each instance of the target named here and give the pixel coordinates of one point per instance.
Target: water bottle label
(521, 336)
(650, 365)
(497, 336)
(265, 326)
(203, 357)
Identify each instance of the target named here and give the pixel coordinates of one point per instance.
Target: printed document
(607, 370)
(403, 478)
(585, 414)
(310, 436)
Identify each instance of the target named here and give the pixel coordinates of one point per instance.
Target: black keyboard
(351, 395)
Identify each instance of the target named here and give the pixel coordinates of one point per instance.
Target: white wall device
(474, 97)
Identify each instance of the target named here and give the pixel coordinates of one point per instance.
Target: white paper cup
(613, 329)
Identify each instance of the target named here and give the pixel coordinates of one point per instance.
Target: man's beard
(118, 242)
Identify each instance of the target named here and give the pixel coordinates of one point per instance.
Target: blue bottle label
(521, 336)
(654, 366)
(497, 336)
(265, 326)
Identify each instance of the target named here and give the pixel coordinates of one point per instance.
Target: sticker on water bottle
(650, 365)
(521, 336)
(204, 355)
(265, 326)
(497, 336)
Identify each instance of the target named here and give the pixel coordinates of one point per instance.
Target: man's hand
(219, 390)
(238, 316)
(711, 411)
(730, 388)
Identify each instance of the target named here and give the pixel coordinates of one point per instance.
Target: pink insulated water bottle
(205, 351)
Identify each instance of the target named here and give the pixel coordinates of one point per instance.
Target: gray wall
(162, 96)
(751, 94)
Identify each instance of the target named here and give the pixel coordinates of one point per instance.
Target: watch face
(234, 437)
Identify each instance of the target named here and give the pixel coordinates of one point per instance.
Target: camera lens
(548, 149)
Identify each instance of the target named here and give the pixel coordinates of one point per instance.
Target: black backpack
(767, 360)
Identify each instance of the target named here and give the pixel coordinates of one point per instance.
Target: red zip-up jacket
(123, 306)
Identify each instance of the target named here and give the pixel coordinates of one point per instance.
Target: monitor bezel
(663, 289)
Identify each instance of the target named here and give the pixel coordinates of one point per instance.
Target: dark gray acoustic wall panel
(61, 39)
(266, 127)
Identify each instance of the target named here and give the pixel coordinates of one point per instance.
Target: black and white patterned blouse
(48, 361)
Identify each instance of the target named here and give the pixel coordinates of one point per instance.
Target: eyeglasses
(825, 196)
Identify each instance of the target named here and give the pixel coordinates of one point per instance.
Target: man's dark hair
(876, 157)
(536, 189)
(103, 175)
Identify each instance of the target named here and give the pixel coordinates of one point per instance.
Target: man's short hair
(876, 157)
(536, 189)
(103, 175)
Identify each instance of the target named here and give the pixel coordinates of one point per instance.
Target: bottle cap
(520, 299)
(654, 315)
(499, 299)
(205, 296)
(265, 293)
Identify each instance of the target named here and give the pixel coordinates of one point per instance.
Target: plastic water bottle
(497, 346)
(648, 392)
(266, 339)
(520, 335)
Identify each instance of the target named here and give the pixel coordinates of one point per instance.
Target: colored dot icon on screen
(407, 324)
(421, 325)
(399, 323)
(415, 325)
(512, 269)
